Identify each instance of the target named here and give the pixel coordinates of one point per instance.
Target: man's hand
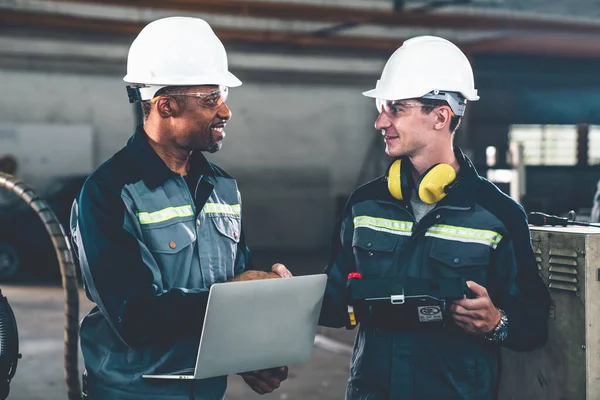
(278, 271)
(265, 380)
(476, 316)
(252, 275)
(281, 270)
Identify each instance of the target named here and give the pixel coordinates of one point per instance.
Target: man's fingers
(463, 319)
(280, 373)
(281, 270)
(460, 323)
(283, 373)
(464, 326)
(457, 309)
(252, 383)
(477, 289)
(257, 384)
(266, 380)
(270, 377)
(478, 313)
(472, 304)
(471, 325)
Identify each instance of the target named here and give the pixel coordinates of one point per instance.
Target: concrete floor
(40, 374)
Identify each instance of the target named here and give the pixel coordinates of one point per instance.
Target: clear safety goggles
(455, 101)
(212, 100)
(393, 107)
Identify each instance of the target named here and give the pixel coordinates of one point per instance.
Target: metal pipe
(68, 273)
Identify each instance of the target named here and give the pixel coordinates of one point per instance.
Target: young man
(433, 216)
(157, 224)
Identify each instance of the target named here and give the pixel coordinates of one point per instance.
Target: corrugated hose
(67, 271)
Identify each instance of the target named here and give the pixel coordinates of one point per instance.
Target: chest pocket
(172, 246)
(221, 250)
(449, 258)
(375, 251)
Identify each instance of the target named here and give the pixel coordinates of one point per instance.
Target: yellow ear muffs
(399, 181)
(432, 186)
(436, 182)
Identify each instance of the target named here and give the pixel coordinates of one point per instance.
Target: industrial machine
(568, 367)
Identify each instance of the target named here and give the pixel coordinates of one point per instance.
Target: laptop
(255, 325)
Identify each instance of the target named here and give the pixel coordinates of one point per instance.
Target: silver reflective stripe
(466, 235)
(165, 214)
(220, 208)
(403, 228)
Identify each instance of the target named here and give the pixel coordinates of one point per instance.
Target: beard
(213, 146)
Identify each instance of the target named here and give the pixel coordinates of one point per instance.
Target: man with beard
(157, 224)
(433, 217)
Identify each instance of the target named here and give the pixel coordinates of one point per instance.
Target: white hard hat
(426, 67)
(177, 51)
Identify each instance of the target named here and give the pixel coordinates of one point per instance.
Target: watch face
(500, 333)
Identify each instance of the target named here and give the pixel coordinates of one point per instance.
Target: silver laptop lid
(259, 324)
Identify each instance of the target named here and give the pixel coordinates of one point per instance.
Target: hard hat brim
(220, 78)
(382, 94)
(232, 80)
(379, 93)
(373, 93)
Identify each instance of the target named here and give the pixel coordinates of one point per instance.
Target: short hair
(431, 104)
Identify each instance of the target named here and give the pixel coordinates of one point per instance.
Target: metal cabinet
(568, 367)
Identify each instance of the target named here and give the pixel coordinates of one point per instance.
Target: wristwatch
(500, 331)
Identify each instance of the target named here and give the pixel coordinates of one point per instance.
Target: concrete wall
(293, 145)
(42, 97)
(294, 148)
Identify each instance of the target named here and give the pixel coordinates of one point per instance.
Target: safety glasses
(212, 100)
(394, 107)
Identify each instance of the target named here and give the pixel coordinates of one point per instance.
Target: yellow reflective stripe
(467, 235)
(219, 208)
(165, 214)
(461, 230)
(403, 228)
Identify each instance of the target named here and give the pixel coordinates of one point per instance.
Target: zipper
(181, 182)
(438, 217)
(402, 207)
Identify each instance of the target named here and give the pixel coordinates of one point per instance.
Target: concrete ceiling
(314, 30)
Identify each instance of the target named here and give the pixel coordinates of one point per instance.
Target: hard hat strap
(140, 92)
(455, 100)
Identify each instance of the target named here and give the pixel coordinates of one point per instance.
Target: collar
(153, 169)
(463, 195)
